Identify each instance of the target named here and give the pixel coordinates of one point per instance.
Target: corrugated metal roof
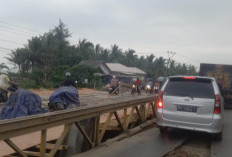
(116, 67)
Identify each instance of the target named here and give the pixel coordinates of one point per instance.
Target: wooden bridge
(96, 106)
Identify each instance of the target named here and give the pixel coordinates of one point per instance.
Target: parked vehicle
(114, 89)
(223, 75)
(191, 103)
(135, 89)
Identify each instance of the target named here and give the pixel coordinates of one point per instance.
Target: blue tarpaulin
(65, 94)
(22, 103)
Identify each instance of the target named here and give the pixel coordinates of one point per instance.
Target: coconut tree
(115, 53)
(85, 49)
(20, 58)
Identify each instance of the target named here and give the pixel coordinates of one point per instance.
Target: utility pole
(170, 56)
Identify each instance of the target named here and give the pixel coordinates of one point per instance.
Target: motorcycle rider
(68, 81)
(138, 84)
(149, 86)
(157, 87)
(114, 82)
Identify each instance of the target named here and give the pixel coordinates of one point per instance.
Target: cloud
(194, 28)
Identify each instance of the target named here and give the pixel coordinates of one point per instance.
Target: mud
(198, 145)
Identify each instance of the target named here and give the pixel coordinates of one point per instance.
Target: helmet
(67, 74)
(114, 76)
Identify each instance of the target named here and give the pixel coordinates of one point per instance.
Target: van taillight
(189, 78)
(160, 100)
(217, 106)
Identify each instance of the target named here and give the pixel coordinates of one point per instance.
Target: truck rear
(223, 75)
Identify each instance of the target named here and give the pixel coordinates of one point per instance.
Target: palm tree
(35, 49)
(130, 58)
(115, 53)
(97, 49)
(20, 58)
(85, 49)
(4, 66)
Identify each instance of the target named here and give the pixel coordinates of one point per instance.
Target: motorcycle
(148, 88)
(114, 89)
(156, 89)
(134, 89)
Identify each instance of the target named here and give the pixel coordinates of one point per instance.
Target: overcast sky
(197, 30)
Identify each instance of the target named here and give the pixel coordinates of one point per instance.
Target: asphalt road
(145, 144)
(224, 148)
(151, 143)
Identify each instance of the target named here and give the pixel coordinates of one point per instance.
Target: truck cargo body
(223, 75)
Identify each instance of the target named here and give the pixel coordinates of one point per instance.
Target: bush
(80, 72)
(58, 75)
(97, 81)
(28, 84)
(37, 75)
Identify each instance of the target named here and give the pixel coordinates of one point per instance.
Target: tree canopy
(44, 58)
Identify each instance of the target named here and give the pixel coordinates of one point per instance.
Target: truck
(223, 74)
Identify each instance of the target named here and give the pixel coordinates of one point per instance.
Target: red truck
(223, 74)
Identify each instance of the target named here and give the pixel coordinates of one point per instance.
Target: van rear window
(196, 88)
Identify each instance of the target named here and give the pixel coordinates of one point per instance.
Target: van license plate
(186, 108)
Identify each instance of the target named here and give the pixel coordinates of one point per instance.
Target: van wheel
(217, 137)
(163, 129)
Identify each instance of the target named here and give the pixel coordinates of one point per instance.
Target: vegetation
(44, 60)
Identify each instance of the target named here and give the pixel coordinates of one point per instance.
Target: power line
(2, 30)
(15, 29)
(6, 48)
(12, 42)
(17, 26)
(4, 51)
(193, 60)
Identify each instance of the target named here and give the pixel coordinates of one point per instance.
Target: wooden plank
(84, 134)
(15, 148)
(130, 116)
(60, 140)
(147, 109)
(31, 153)
(113, 92)
(96, 130)
(39, 127)
(138, 113)
(51, 146)
(153, 109)
(43, 138)
(118, 120)
(141, 109)
(105, 126)
(124, 118)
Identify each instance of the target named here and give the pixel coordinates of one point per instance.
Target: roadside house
(122, 72)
